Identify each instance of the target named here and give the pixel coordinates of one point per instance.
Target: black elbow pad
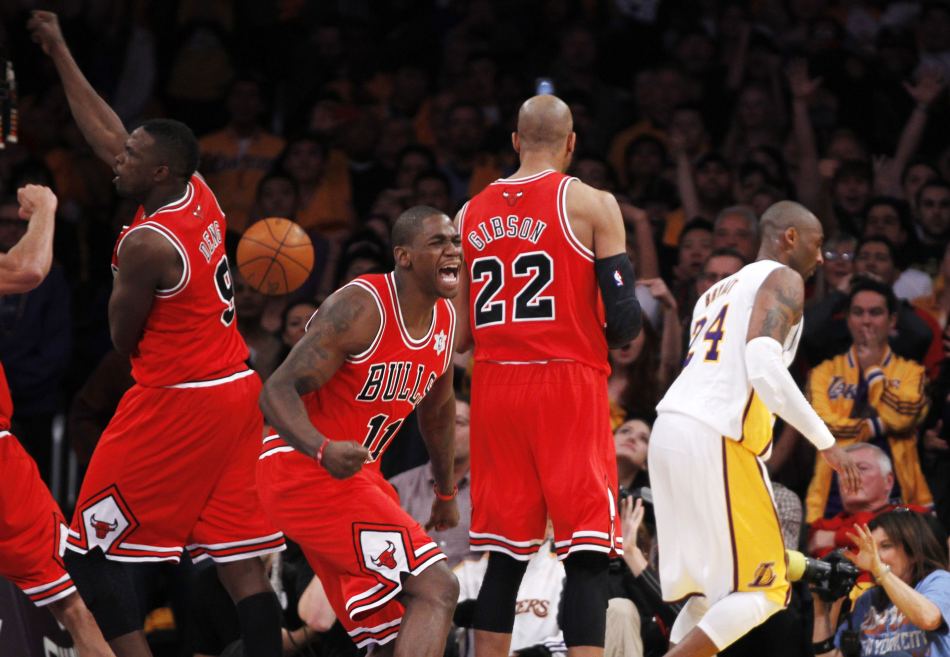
(617, 286)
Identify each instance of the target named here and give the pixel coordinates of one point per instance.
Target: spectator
(837, 268)
(721, 263)
(695, 246)
(265, 348)
(642, 370)
(826, 333)
(631, 440)
(889, 217)
(932, 222)
(432, 188)
(236, 158)
(416, 493)
(737, 228)
(324, 192)
(465, 161)
(911, 604)
(858, 507)
(869, 394)
(937, 303)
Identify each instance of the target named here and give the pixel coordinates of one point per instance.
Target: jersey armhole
(364, 355)
(450, 343)
(165, 293)
(461, 226)
(566, 229)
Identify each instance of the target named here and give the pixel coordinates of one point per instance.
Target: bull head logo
(387, 558)
(102, 527)
(512, 199)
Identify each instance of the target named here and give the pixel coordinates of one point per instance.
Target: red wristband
(319, 455)
(445, 498)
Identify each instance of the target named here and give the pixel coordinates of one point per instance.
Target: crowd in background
(697, 115)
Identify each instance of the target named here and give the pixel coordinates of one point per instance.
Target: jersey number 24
(713, 335)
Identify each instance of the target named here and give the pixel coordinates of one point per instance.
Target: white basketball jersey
(714, 386)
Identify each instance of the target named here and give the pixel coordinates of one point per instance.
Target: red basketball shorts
(541, 448)
(175, 468)
(354, 534)
(31, 528)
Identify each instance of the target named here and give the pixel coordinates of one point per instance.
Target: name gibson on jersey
(512, 226)
(389, 382)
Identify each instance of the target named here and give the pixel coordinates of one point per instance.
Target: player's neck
(161, 195)
(416, 306)
(536, 162)
(766, 253)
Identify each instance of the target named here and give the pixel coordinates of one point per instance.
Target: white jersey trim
(523, 179)
(403, 331)
(461, 215)
(4, 434)
(366, 354)
(450, 342)
(275, 450)
(575, 243)
(166, 293)
(46, 587)
(213, 382)
(178, 204)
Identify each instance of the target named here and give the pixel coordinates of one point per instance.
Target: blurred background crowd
(696, 114)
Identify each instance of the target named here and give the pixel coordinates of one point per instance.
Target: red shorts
(354, 534)
(31, 528)
(175, 468)
(541, 447)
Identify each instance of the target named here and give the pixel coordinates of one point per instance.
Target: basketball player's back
(534, 295)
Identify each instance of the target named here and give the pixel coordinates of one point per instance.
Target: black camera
(830, 577)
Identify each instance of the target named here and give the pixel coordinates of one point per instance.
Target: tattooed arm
(778, 307)
(346, 324)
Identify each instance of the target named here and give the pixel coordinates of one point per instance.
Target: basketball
(275, 256)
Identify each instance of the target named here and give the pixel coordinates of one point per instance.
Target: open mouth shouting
(449, 274)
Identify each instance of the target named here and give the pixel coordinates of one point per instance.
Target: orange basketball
(275, 256)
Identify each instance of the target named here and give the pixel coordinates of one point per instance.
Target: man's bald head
(544, 122)
(800, 248)
(784, 215)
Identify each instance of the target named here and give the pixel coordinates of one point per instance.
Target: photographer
(906, 613)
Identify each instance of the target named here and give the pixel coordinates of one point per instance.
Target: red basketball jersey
(534, 295)
(6, 403)
(372, 393)
(191, 332)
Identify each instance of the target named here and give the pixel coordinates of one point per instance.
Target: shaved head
(544, 122)
(784, 215)
(792, 235)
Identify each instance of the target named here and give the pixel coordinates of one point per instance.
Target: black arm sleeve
(617, 286)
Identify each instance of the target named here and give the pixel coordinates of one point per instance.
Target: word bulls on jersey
(372, 393)
(190, 335)
(534, 295)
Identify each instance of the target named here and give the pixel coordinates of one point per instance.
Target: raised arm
(98, 123)
(346, 323)
(27, 263)
(437, 423)
(803, 88)
(925, 91)
(778, 307)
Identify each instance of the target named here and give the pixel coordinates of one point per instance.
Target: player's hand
(444, 515)
(44, 30)
(841, 462)
(35, 199)
(344, 458)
